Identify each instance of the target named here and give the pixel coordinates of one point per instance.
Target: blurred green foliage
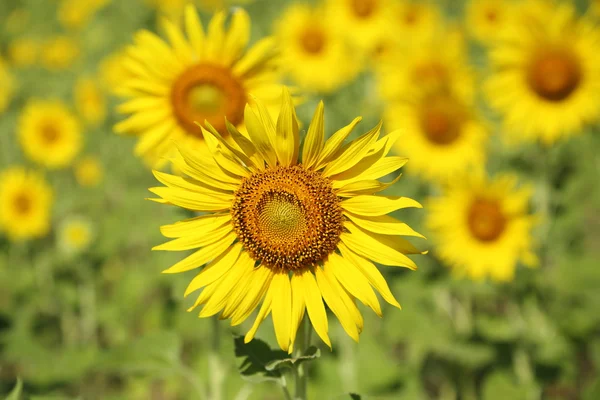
(107, 325)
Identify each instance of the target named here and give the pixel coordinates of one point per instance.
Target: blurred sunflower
(75, 14)
(204, 77)
(89, 171)
(439, 64)
(49, 133)
(415, 22)
(442, 137)
(113, 71)
(545, 73)
(23, 52)
(314, 54)
(487, 18)
(482, 226)
(90, 101)
(275, 226)
(59, 53)
(74, 235)
(174, 9)
(364, 22)
(6, 86)
(25, 202)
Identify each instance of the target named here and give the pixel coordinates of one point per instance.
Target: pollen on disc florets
(288, 218)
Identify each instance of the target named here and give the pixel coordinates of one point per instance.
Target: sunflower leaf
(310, 354)
(256, 355)
(15, 394)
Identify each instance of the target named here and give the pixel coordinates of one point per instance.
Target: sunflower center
(441, 120)
(491, 15)
(363, 8)
(287, 218)
(313, 41)
(486, 220)
(431, 74)
(207, 92)
(22, 204)
(411, 16)
(554, 75)
(50, 133)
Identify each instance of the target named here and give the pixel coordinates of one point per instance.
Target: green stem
(301, 371)
(215, 366)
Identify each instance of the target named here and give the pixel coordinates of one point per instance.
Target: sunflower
(6, 86)
(23, 52)
(442, 128)
(487, 18)
(364, 22)
(544, 73)
(49, 133)
(113, 71)
(439, 64)
(288, 229)
(59, 53)
(88, 171)
(207, 76)
(75, 14)
(314, 54)
(25, 202)
(74, 235)
(416, 22)
(482, 226)
(175, 9)
(90, 101)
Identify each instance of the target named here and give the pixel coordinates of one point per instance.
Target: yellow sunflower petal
(383, 224)
(199, 239)
(314, 305)
(334, 143)
(298, 308)
(261, 281)
(282, 309)
(191, 226)
(215, 36)
(313, 142)
(265, 309)
(237, 38)
(256, 58)
(259, 136)
(202, 256)
(371, 249)
(194, 30)
(215, 270)
(192, 201)
(377, 205)
(287, 140)
(353, 152)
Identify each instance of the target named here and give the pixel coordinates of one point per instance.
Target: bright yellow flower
(482, 226)
(364, 22)
(6, 86)
(113, 71)
(25, 202)
(59, 53)
(287, 227)
(90, 101)
(75, 235)
(74, 14)
(206, 76)
(415, 22)
(486, 19)
(545, 71)
(49, 133)
(442, 135)
(23, 52)
(89, 171)
(315, 55)
(439, 64)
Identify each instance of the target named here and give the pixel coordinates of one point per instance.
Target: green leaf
(310, 354)
(501, 386)
(15, 394)
(355, 396)
(256, 355)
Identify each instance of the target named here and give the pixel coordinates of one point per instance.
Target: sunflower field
(287, 199)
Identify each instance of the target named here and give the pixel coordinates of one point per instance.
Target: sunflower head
(291, 229)
(74, 235)
(25, 201)
(193, 76)
(483, 227)
(88, 171)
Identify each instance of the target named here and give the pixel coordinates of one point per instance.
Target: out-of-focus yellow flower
(90, 101)
(316, 56)
(59, 53)
(486, 19)
(74, 14)
(49, 133)
(442, 137)
(23, 52)
(74, 235)
(439, 64)
(363, 22)
(25, 203)
(546, 74)
(113, 71)
(415, 22)
(6, 86)
(206, 76)
(594, 8)
(89, 171)
(482, 226)
(174, 9)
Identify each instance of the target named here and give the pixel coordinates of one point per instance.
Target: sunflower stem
(215, 366)
(301, 371)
